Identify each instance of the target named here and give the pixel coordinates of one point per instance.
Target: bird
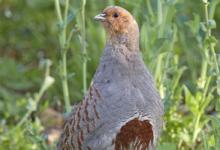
(122, 109)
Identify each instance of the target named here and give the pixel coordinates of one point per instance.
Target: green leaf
(32, 105)
(205, 141)
(205, 1)
(216, 131)
(159, 44)
(207, 100)
(210, 40)
(195, 24)
(217, 107)
(203, 26)
(211, 24)
(218, 85)
(167, 146)
(70, 17)
(191, 101)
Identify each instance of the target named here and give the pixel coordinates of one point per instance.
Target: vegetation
(43, 41)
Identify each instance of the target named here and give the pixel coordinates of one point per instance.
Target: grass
(179, 44)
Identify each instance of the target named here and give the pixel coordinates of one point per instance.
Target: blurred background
(176, 44)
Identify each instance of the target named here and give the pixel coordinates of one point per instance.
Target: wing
(81, 123)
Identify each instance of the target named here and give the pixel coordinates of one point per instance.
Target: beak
(100, 17)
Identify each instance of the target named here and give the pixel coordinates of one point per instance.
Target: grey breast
(127, 91)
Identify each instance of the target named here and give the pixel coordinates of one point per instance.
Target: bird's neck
(130, 40)
(120, 53)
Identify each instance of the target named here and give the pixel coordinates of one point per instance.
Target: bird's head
(119, 23)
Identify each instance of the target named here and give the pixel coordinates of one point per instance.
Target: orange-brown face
(116, 19)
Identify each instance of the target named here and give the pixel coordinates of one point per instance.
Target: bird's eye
(115, 15)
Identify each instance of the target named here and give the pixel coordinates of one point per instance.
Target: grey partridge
(122, 109)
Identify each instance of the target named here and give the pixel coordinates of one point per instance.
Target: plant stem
(201, 112)
(57, 5)
(149, 8)
(36, 101)
(84, 52)
(63, 45)
(209, 34)
(64, 51)
(196, 126)
(66, 10)
(48, 81)
(159, 17)
(65, 83)
(197, 129)
(65, 25)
